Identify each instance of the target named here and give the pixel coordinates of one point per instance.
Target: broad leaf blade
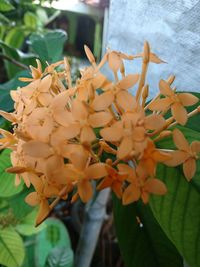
(11, 248)
(178, 213)
(49, 46)
(143, 246)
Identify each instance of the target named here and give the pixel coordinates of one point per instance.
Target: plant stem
(15, 62)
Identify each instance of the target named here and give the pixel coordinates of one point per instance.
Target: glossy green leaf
(5, 5)
(54, 235)
(141, 240)
(11, 248)
(49, 46)
(60, 257)
(7, 186)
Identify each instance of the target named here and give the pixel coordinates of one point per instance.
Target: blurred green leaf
(5, 5)
(7, 185)
(18, 205)
(11, 248)
(54, 235)
(141, 240)
(49, 46)
(30, 20)
(60, 257)
(3, 19)
(27, 224)
(15, 37)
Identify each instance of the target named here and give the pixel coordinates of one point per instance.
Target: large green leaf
(7, 186)
(11, 248)
(30, 20)
(143, 244)
(54, 235)
(60, 257)
(178, 212)
(49, 46)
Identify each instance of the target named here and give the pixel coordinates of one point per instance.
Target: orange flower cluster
(95, 134)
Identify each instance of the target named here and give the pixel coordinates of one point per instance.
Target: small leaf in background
(30, 20)
(60, 257)
(141, 240)
(11, 248)
(15, 37)
(7, 185)
(54, 235)
(48, 46)
(5, 5)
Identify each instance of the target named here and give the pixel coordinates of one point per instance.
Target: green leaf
(178, 213)
(142, 244)
(54, 235)
(4, 19)
(5, 5)
(15, 37)
(11, 248)
(60, 257)
(27, 224)
(30, 20)
(7, 186)
(49, 46)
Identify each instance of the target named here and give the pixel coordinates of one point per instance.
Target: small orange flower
(186, 155)
(177, 102)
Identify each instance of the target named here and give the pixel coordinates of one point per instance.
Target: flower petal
(32, 199)
(125, 148)
(112, 134)
(85, 190)
(128, 81)
(165, 88)
(161, 104)
(87, 135)
(100, 119)
(189, 168)
(195, 146)
(37, 149)
(45, 84)
(178, 157)
(79, 110)
(44, 211)
(131, 194)
(103, 101)
(96, 171)
(154, 122)
(155, 186)
(126, 100)
(187, 99)
(180, 141)
(179, 113)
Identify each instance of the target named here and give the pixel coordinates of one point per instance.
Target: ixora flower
(64, 135)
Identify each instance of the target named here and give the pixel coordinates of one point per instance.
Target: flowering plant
(72, 139)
